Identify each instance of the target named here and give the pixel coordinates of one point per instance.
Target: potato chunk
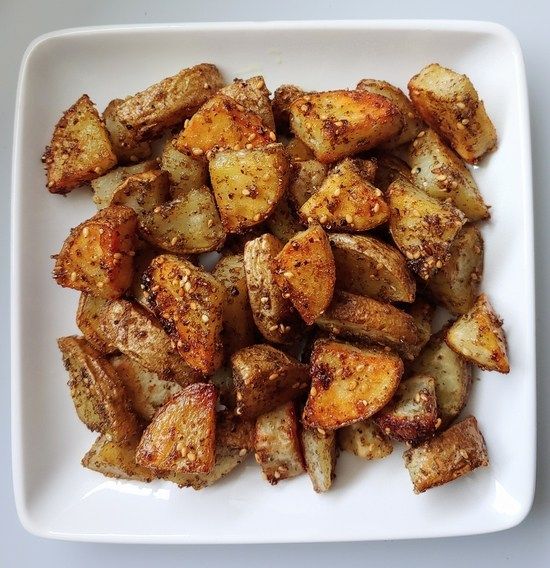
(97, 255)
(365, 440)
(283, 97)
(307, 177)
(349, 383)
(265, 378)
(422, 227)
(369, 267)
(182, 435)
(449, 103)
(186, 171)
(283, 222)
(248, 184)
(478, 337)
(80, 149)
(336, 124)
(454, 453)
(320, 454)
(189, 304)
(422, 312)
(99, 396)
(88, 320)
(143, 192)
(388, 169)
(305, 272)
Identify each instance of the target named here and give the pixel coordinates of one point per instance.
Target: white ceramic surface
(57, 498)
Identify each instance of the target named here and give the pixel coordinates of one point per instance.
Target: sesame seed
(323, 219)
(424, 184)
(97, 170)
(239, 396)
(257, 457)
(264, 299)
(73, 276)
(186, 123)
(282, 327)
(378, 193)
(321, 431)
(273, 327)
(323, 117)
(442, 177)
(249, 146)
(409, 255)
(251, 136)
(50, 184)
(191, 456)
(245, 192)
(180, 344)
(100, 284)
(465, 121)
(173, 240)
(304, 108)
(210, 222)
(359, 367)
(272, 136)
(416, 255)
(205, 318)
(197, 151)
(460, 105)
(463, 453)
(310, 220)
(338, 123)
(257, 217)
(352, 385)
(286, 295)
(438, 423)
(193, 305)
(417, 398)
(187, 287)
(336, 192)
(460, 126)
(239, 411)
(375, 207)
(349, 219)
(421, 133)
(157, 210)
(117, 255)
(438, 264)
(242, 452)
(206, 86)
(277, 475)
(288, 274)
(313, 391)
(273, 376)
(101, 231)
(85, 231)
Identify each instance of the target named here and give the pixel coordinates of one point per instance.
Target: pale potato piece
(388, 169)
(88, 320)
(365, 440)
(186, 170)
(283, 222)
(143, 192)
(307, 177)
(253, 95)
(320, 454)
(478, 337)
(282, 99)
(422, 312)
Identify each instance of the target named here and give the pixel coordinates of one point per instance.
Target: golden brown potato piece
(298, 151)
(88, 320)
(283, 222)
(411, 416)
(238, 324)
(307, 177)
(422, 227)
(187, 225)
(369, 267)
(182, 435)
(149, 113)
(99, 396)
(273, 314)
(248, 184)
(346, 201)
(97, 256)
(265, 378)
(366, 319)
(189, 303)
(422, 312)
(277, 444)
(143, 192)
(336, 124)
(478, 337)
(186, 171)
(389, 168)
(412, 122)
(80, 149)
(365, 440)
(305, 272)
(283, 97)
(454, 453)
(456, 285)
(349, 383)
(443, 175)
(320, 454)
(223, 123)
(253, 95)
(449, 103)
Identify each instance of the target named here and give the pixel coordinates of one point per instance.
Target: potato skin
(88, 320)
(388, 169)
(186, 171)
(320, 454)
(283, 222)
(143, 192)
(307, 177)
(283, 97)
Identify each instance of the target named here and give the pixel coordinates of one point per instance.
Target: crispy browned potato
(189, 303)
(336, 124)
(265, 378)
(365, 440)
(283, 222)
(443, 175)
(456, 285)
(367, 266)
(388, 168)
(449, 103)
(320, 454)
(366, 319)
(187, 225)
(248, 184)
(422, 227)
(148, 114)
(143, 192)
(422, 312)
(186, 170)
(454, 453)
(305, 272)
(80, 149)
(238, 324)
(411, 415)
(182, 435)
(307, 177)
(277, 444)
(273, 314)
(253, 95)
(346, 200)
(298, 151)
(88, 320)
(99, 396)
(97, 256)
(282, 99)
(349, 383)
(478, 337)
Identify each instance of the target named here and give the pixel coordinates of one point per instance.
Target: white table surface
(526, 545)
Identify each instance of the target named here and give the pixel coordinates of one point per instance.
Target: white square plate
(58, 498)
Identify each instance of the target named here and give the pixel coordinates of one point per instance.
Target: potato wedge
(307, 177)
(365, 440)
(186, 171)
(349, 383)
(320, 454)
(389, 168)
(337, 124)
(99, 396)
(369, 267)
(253, 95)
(283, 222)
(88, 320)
(80, 149)
(182, 435)
(422, 227)
(266, 378)
(283, 97)
(305, 272)
(454, 453)
(478, 337)
(449, 103)
(456, 285)
(143, 192)
(277, 444)
(189, 304)
(187, 225)
(422, 312)
(248, 184)
(97, 256)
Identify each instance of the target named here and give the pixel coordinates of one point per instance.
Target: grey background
(526, 545)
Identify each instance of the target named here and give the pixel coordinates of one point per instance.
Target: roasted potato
(454, 453)
(97, 256)
(143, 192)
(478, 337)
(144, 255)
(389, 168)
(336, 124)
(186, 170)
(88, 320)
(283, 97)
(307, 177)
(248, 184)
(80, 149)
(365, 440)
(298, 151)
(422, 312)
(253, 95)
(449, 103)
(320, 454)
(349, 383)
(283, 222)
(235, 433)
